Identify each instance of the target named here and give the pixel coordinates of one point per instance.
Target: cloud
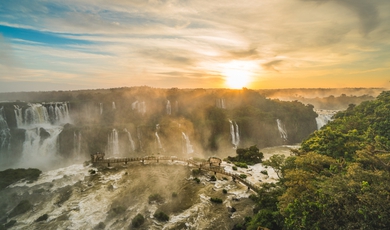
(365, 10)
(272, 64)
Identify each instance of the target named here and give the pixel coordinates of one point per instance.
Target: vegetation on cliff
(338, 179)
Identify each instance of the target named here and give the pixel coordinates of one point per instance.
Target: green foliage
(11, 176)
(241, 165)
(174, 194)
(156, 198)
(265, 172)
(339, 178)
(213, 178)
(23, 207)
(137, 221)
(161, 216)
(243, 176)
(216, 200)
(234, 168)
(249, 156)
(224, 191)
(197, 180)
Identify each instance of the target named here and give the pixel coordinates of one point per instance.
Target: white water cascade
(113, 143)
(113, 105)
(101, 108)
(168, 108)
(130, 139)
(220, 103)
(187, 147)
(282, 129)
(234, 133)
(38, 153)
(42, 114)
(324, 116)
(76, 144)
(158, 141)
(18, 116)
(139, 106)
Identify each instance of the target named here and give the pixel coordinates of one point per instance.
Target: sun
(237, 74)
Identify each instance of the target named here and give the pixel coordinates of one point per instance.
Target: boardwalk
(204, 166)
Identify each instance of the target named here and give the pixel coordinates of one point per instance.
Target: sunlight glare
(237, 74)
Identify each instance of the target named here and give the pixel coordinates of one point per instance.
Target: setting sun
(238, 74)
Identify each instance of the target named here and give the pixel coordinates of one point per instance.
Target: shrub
(138, 220)
(234, 168)
(224, 191)
(216, 200)
(265, 172)
(174, 194)
(213, 178)
(161, 216)
(241, 164)
(197, 180)
(156, 198)
(243, 176)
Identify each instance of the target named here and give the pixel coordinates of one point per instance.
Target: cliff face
(145, 121)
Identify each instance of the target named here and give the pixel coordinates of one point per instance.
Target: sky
(259, 44)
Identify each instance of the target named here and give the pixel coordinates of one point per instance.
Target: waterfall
(76, 144)
(168, 108)
(5, 134)
(113, 143)
(139, 106)
(18, 116)
(234, 133)
(36, 114)
(282, 129)
(159, 145)
(324, 116)
(237, 133)
(130, 139)
(101, 108)
(113, 105)
(139, 136)
(187, 148)
(220, 103)
(37, 152)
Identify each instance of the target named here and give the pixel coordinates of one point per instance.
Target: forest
(337, 179)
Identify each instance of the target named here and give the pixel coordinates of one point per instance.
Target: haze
(83, 44)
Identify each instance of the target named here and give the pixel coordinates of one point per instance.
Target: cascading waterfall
(37, 152)
(113, 143)
(168, 108)
(37, 114)
(5, 134)
(130, 139)
(139, 136)
(158, 141)
(42, 114)
(113, 105)
(234, 133)
(324, 116)
(139, 106)
(101, 108)
(76, 144)
(282, 129)
(187, 147)
(18, 116)
(220, 103)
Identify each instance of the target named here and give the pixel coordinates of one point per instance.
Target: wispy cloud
(163, 43)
